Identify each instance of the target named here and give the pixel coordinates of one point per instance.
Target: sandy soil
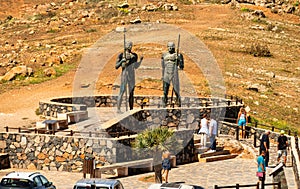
(205, 21)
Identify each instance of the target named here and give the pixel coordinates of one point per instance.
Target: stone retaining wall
(52, 107)
(65, 153)
(48, 152)
(174, 118)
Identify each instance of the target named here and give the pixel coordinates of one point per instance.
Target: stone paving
(204, 175)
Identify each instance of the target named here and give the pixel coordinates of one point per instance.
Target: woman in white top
(242, 121)
(204, 130)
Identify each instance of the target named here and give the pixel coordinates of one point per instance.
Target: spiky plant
(156, 141)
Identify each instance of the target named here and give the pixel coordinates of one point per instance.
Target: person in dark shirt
(265, 146)
(282, 145)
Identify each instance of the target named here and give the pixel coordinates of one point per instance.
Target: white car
(25, 180)
(171, 185)
(98, 184)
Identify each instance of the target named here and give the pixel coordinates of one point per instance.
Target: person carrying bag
(261, 167)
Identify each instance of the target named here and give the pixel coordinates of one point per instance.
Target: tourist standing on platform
(242, 121)
(261, 166)
(213, 131)
(204, 130)
(282, 145)
(265, 146)
(166, 165)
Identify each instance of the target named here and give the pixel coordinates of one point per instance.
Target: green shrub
(91, 30)
(123, 11)
(259, 50)
(37, 111)
(244, 9)
(52, 30)
(259, 21)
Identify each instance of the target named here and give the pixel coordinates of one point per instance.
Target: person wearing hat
(282, 145)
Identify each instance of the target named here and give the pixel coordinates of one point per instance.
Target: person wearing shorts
(261, 166)
(282, 145)
(242, 120)
(166, 165)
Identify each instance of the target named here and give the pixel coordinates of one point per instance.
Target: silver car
(173, 185)
(98, 184)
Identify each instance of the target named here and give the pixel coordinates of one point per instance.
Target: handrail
(47, 131)
(278, 184)
(128, 133)
(256, 124)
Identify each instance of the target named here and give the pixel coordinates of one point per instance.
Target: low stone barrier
(66, 153)
(55, 106)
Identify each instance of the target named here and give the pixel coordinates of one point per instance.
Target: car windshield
(14, 182)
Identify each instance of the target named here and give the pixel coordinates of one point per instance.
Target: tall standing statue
(170, 63)
(128, 60)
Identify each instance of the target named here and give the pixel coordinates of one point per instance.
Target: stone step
(217, 158)
(216, 153)
(198, 146)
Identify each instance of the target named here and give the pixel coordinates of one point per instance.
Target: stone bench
(76, 116)
(50, 125)
(122, 168)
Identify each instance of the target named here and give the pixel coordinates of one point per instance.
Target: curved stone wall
(51, 107)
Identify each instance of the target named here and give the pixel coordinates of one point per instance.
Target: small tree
(156, 141)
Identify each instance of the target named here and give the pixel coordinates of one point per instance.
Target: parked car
(98, 184)
(171, 185)
(25, 180)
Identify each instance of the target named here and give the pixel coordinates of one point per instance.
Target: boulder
(123, 5)
(49, 72)
(2, 71)
(19, 70)
(259, 13)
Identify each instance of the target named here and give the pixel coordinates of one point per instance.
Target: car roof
(172, 185)
(98, 182)
(21, 175)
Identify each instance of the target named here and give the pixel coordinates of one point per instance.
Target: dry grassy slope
(226, 34)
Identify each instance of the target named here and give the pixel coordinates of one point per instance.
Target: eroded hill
(257, 49)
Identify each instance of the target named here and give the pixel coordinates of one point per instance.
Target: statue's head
(171, 46)
(128, 45)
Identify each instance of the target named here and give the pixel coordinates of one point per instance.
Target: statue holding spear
(171, 61)
(128, 60)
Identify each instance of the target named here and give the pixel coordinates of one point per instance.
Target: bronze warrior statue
(170, 62)
(128, 60)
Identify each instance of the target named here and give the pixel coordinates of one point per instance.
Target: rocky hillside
(255, 42)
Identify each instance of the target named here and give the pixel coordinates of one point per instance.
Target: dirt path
(18, 106)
